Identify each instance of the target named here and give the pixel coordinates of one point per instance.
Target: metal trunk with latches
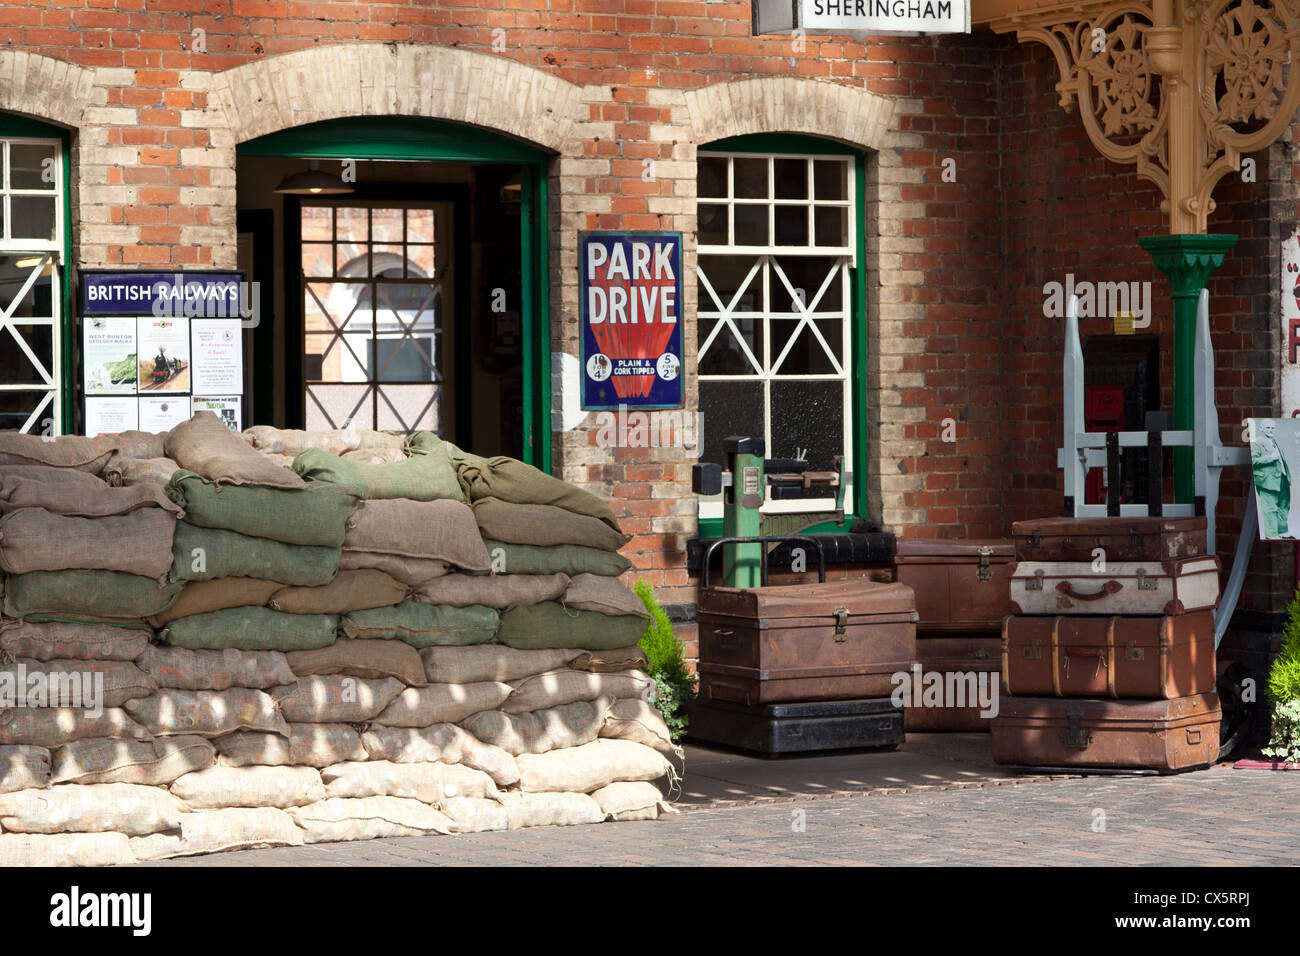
(1164, 657)
(1118, 539)
(837, 640)
(1115, 587)
(962, 587)
(1173, 734)
(955, 659)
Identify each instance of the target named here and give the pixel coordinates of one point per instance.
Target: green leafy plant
(666, 663)
(1284, 690)
(1285, 744)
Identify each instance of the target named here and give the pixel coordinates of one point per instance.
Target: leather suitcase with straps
(1110, 587)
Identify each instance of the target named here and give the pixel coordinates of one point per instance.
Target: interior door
(377, 280)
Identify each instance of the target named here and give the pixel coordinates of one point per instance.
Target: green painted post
(742, 563)
(1188, 261)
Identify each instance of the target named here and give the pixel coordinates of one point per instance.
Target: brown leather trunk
(1163, 657)
(1121, 539)
(1146, 734)
(961, 586)
(977, 654)
(838, 640)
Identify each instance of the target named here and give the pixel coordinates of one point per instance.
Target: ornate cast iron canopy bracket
(1179, 89)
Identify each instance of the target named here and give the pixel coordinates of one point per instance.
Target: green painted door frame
(413, 139)
(11, 125)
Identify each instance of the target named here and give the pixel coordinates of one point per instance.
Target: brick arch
(773, 104)
(44, 88)
(381, 79)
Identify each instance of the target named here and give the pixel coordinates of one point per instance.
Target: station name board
(861, 17)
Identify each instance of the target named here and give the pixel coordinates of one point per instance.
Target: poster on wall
(1289, 295)
(1275, 460)
(160, 413)
(631, 294)
(108, 356)
(225, 407)
(164, 354)
(109, 416)
(218, 356)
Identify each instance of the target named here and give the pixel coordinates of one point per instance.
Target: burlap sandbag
(611, 661)
(52, 727)
(87, 596)
(183, 669)
(33, 539)
(219, 787)
(208, 713)
(438, 530)
(314, 515)
(591, 766)
(207, 447)
(552, 625)
(368, 818)
(510, 480)
(427, 782)
(200, 597)
(66, 849)
(570, 559)
(65, 451)
(628, 800)
(543, 526)
(467, 665)
(550, 809)
(212, 831)
(128, 472)
(373, 660)
(94, 808)
(202, 554)
(565, 685)
(475, 814)
(422, 625)
(640, 721)
(309, 745)
(251, 629)
(293, 441)
(536, 732)
(138, 444)
(497, 590)
(423, 478)
(80, 500)
(48, 475)
(410, 571)
(606, 595)
(58, 640)
(23, 767)
(103, 683)
(349, 591)
(334, 699)
(445, 742)
(154, 762)
(442, 703)
(374, 456)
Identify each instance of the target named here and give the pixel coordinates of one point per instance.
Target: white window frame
(765, 261)
(44, 253)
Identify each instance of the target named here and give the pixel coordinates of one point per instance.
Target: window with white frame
(31, 243)
(776, 246)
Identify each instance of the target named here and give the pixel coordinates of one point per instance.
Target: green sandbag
(570, 559)
(228, 554)
(425, 625)
(109, 596)
(315, 515)
(550, 624)
(511, 480)
(252, 629)
(426, 477)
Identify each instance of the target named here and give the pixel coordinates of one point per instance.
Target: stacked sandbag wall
(390, 637)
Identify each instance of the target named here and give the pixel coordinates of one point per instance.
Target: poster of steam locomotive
(631, 293)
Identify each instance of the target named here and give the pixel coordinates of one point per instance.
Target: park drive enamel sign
(861, 17)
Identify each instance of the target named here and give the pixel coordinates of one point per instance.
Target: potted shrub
(666, 664)
(1284, 691)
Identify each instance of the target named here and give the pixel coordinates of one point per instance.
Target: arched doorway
(417, 300)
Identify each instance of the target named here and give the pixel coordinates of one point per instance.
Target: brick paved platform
(933, 802)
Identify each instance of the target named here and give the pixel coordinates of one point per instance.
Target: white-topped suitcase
(1123, 587)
